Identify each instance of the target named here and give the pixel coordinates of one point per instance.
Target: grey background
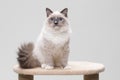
(95, 37)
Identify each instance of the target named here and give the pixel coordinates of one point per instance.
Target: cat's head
(57, 20)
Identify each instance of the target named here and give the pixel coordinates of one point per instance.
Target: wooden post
(91, 77)
(25, 77)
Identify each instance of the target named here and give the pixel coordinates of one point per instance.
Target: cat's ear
(64, 12)
(48, 12)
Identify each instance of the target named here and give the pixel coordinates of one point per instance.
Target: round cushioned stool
(90, 71)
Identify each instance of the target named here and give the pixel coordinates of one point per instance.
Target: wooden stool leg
(91, 77)
(25, 77)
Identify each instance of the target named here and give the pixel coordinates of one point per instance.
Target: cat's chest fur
(55, 44)
(56, 38)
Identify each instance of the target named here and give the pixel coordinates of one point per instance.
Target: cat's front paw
(67, 67)
(45, 66)
(49, 67)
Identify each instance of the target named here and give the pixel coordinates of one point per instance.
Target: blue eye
(60, 19)
(51, 19)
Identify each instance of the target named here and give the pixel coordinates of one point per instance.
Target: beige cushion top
(77, 68)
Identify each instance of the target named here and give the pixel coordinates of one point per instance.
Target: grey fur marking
(65, 12)
(25, 58)
(48, 11)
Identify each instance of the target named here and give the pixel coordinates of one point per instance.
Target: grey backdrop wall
(95, 37)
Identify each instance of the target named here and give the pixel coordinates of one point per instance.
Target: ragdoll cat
(52, 47)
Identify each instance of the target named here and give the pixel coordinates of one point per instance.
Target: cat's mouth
(56, 27)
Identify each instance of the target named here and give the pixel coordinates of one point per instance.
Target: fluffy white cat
(52, 46)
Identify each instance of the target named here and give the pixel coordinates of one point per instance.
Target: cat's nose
(55, 22)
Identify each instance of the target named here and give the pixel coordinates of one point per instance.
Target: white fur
(56, 13)
(45, 66)
(56, 38)
(67, 67)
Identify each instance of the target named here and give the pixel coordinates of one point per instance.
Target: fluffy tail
(25, 57)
